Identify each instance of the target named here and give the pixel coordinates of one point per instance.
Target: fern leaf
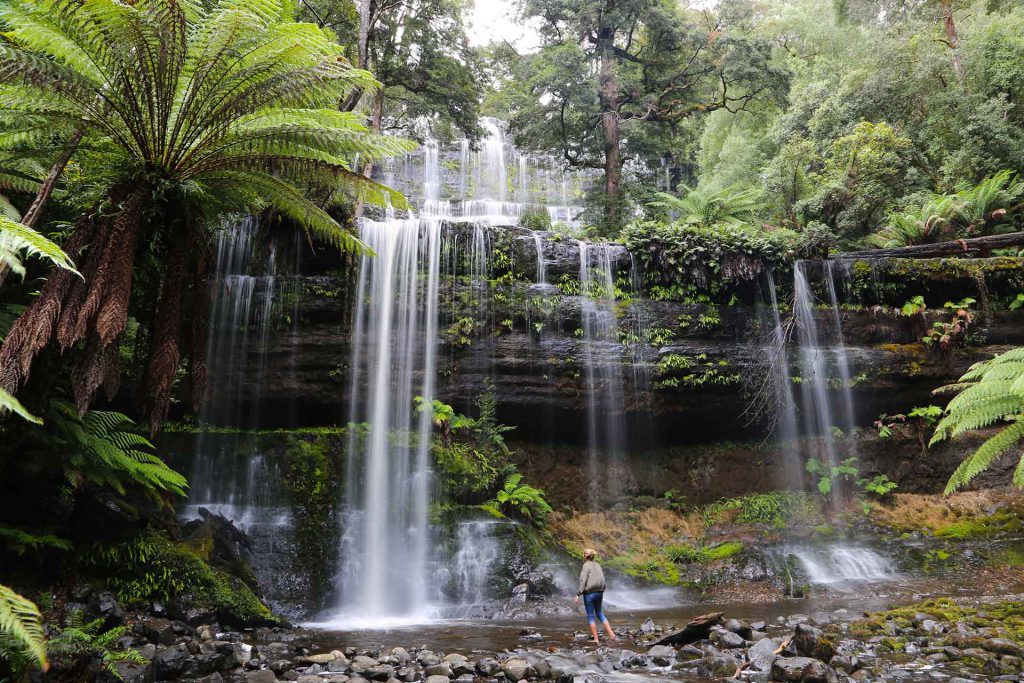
(20, 618)
(983, 458)
(8, 402)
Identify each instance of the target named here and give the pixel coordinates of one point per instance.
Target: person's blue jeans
(592, 603)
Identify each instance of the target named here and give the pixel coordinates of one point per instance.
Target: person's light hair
(589, 554)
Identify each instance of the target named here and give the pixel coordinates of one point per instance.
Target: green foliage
(16, 239)
(691, 260)
(946, 336)
(104, 449)
(522, 500)
(775, 509)
(991, 392)
(914, 306)
(21, 541)
(685, 554)
(971, 211)
(21, 628)
(535, 219)
(880, 486)
(704, 208)
(150, 567)
(78, 640)
(830, 476)
(10, 403)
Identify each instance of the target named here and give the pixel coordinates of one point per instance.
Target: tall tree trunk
(31, 216)
(609, 95)
(376, 125)
(952, 39)
(363, 48)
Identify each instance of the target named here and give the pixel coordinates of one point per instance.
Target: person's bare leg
(593, 630)
(608, 630)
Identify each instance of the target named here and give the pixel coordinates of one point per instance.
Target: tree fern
(707, 208)
(991, 392)
(9, 403)
(21, 621)
(192, 112)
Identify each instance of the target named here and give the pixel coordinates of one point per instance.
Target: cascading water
(842, 564)
(389, 567)
(818, 359)
(602, 357)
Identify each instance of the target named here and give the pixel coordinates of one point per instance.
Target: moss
(1004, 522)
(152, 567)
(722, 551)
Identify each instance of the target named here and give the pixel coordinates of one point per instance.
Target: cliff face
(688, 369)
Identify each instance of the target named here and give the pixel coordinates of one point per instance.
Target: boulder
(488, 667)
(439, 669)
(762, 654)
(718, 665)
(261, 676)
(437, 679)
(805, 669)
(661, 655)
(698, 628)
(516, 669)
(170, 662)
(727, 639)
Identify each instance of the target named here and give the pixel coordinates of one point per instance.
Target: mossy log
(975, 246)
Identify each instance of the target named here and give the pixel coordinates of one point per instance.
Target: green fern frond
(9, 403)
(16, 238)
(983, 458)
(20, 619)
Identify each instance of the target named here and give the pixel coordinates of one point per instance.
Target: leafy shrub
(686, 260)
(830, 476)
(535, 219)
(946, 336)
(880, 486)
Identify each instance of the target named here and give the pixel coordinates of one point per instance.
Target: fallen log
(698, 628)
(975, 246)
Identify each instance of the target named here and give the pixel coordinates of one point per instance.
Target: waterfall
(542, 266)
(475, 557)
(819, 356)
(385, 536)
(786, 431)
(842, 564)
(602, 354)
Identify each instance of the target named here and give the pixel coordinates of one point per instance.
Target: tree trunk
(363, 58)
(952, 39)
(31, 216)
(976, 246)
(376, 124)
(609, 95)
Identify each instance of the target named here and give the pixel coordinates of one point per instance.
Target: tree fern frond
(983, 458)
(8, 402)
(20, 618)
(15, 237)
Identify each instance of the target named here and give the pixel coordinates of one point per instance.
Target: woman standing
(592, 590)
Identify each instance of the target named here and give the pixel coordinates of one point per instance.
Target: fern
(78, 639)
(22, 623)
(9, 403)
(16, 238)
(990, 392)
(103, 448)
(522, 500)
(708, 208)
(21, 541)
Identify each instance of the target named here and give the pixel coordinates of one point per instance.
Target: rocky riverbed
(939, 640)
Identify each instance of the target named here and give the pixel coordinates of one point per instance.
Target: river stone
(439, 669)
(728, 639)
(718, 665)
(648, 626)
(437, 679)
(460, 664)
(402, 655)
(801, 669)
(427, 658)
(316, 659)
(662, 655)
(488, 667)
(170, 662)
(516, 669)
(380, 672)
(762, 654)
(309, 678)
(1003, 646)
(738, 627)
(261, 676)
(361, 663)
